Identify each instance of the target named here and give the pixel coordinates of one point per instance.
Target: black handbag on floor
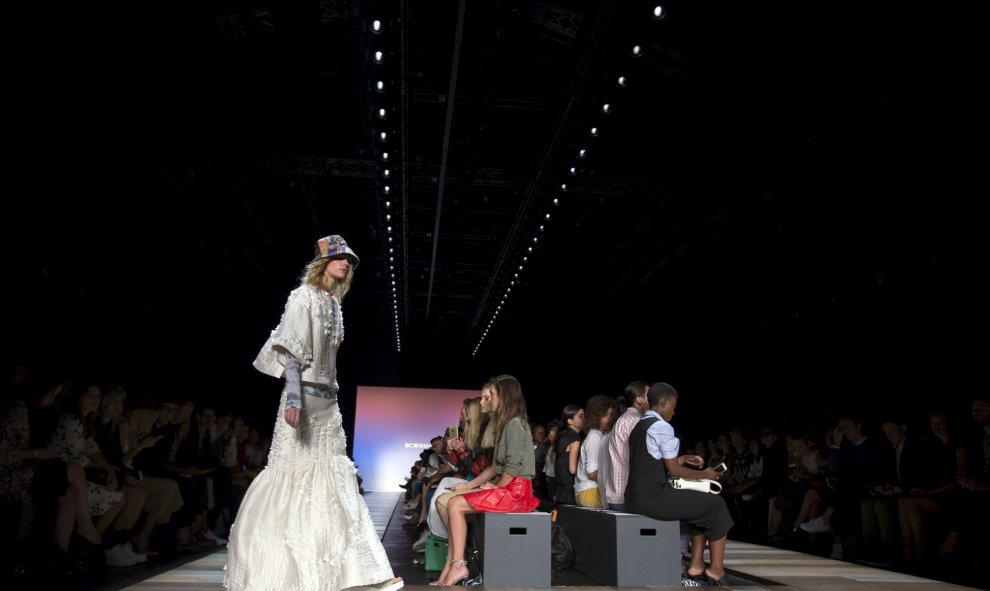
(561, 551)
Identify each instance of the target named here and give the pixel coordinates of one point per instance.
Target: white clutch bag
(700, 484)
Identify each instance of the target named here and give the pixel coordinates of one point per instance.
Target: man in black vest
(653, 458)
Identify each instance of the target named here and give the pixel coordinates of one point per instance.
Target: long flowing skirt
(303, 525)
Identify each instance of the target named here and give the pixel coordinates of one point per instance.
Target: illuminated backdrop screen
(392, 426)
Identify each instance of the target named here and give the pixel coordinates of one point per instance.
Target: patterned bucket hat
(335, 245)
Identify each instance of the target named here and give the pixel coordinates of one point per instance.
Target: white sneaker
(128, 550)
(836, 552)
(116, 556)
(420, 544)
(815, 526)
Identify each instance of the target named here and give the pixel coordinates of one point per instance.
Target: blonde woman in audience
(464, 451)
(112, 434)
(791, 506)
(481, 467)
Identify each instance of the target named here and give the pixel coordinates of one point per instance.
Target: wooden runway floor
(751, 566)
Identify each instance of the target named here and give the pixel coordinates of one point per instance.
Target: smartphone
(720, 468)
(451, 432)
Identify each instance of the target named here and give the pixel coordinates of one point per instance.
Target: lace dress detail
(303, 525)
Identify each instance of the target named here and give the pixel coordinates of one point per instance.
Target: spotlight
(621, 81)
(382, 113)
(379, 57)
(383, 136)
(380, 86)
(637, 50)
(385, 156)
(659, 12)
(606, 108)
(572, 171)
(388, 189)
(593, 132)
(582, 153)
(376, 26)
(386, 173)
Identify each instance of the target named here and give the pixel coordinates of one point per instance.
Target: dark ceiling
(781, 199)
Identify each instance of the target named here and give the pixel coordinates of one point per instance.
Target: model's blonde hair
(313, 275)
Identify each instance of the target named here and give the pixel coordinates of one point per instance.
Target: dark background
(784, 202)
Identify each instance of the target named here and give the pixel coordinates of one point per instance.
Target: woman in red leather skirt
(515, 466)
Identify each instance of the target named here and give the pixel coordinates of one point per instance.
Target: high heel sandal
(463, 563)
(436, 583)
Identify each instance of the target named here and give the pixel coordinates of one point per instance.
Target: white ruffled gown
(303, 525)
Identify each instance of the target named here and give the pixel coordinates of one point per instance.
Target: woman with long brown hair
(515, 466)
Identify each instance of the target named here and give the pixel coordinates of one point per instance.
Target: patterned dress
(71, 444)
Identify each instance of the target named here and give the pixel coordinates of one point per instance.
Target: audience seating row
(613, 548)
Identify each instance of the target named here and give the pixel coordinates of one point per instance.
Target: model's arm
(293, 394)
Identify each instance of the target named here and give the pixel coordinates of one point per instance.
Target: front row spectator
(31, 472)
(653, 458)
(515, 465)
